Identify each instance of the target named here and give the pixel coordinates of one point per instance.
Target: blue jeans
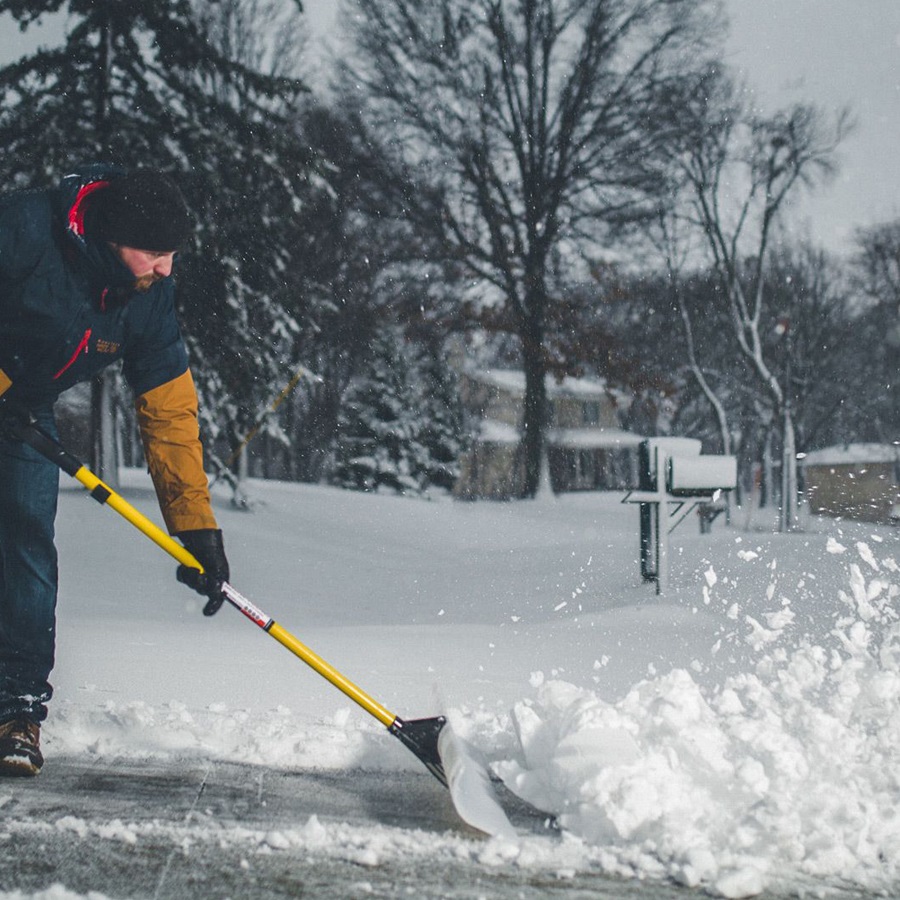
(29, 487)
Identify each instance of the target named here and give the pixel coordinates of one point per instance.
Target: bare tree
(266, 35)
(536, 125)
(877, 272)
(740, 171)
(878, 265)
(675, 249)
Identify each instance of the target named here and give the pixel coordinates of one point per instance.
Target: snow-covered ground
(740, 734)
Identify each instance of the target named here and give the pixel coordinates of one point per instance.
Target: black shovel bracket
(421, 736)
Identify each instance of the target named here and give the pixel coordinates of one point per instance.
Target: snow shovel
(432, 740)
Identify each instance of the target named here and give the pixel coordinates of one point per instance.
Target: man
(85, 280)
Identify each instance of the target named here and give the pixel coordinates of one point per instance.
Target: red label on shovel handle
(252, 612)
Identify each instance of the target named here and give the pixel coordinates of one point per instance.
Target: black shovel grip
(32, 434)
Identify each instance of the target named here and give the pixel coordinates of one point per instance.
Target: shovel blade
(458, 767)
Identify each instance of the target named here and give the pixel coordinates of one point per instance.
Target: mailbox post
(674, 479)
(649, 527)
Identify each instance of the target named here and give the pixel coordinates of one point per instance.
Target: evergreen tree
(151, 84)
(400, 425)
(441, 421)
(377, 441)
(133, 82)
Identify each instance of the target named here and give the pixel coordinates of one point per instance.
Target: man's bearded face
(147, 266)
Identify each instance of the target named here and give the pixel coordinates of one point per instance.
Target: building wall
(584, 412)
(864, 491)
(489, 401)
(490, 472)
(494, 469)
(593, 469)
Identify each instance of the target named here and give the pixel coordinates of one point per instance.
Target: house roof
(851, 454)
(513, 380)
(593, 438)
(493, 432)
(490, 431)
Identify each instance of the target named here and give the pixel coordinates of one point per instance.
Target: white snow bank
(792, 768)
(742, 734)
(279, 738)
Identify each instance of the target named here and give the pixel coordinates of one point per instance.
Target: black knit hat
(144, 210)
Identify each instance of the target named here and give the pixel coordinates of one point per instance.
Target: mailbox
(675, 477)
(701, 475)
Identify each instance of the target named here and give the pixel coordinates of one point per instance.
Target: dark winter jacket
(68, 310)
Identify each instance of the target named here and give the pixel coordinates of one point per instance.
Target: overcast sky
(830, 52)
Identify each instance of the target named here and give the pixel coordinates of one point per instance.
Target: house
(586, 448)
(859, 481)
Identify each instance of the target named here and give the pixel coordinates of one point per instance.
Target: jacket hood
(72, 195)
(72, 190)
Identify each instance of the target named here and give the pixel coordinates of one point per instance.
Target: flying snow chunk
(865, 551)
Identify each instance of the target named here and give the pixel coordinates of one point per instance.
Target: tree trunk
(788, 520)
(104, 460)
(535, 414)
(767, 481)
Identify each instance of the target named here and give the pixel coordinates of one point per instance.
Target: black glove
(13, 414)
(207, 546)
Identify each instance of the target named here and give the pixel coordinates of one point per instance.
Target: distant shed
(859, 481)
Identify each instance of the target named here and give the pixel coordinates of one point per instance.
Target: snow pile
(278, 738)
(790, 769)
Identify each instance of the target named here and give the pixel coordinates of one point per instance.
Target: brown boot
(20, 752)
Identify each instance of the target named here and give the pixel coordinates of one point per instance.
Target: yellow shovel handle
(105, 494)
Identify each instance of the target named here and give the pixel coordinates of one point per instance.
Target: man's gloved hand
(13, 413)
(207, 546)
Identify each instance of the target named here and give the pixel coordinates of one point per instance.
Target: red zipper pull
(82, 345)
